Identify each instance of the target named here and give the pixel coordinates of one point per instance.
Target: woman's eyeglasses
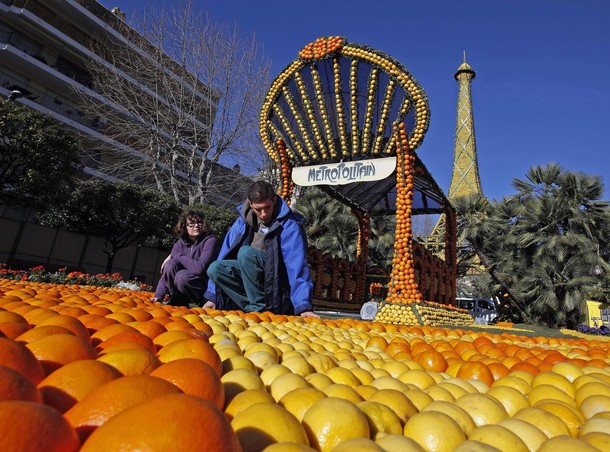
(192, 225)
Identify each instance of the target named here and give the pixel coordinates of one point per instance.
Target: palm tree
(546, 245)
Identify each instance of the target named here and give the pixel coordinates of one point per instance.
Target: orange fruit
(107, 332)
(127, 336)
(263, 424)
(17, 356)
(57, 350)
(191, 348)
(150, 328)
(13, 329)
(131, 361)
(95, 322)
(112, 398)
(71, 323)
(474, 370)
(170, 422)
(194, 377)
(72, 382)
(14, 386)
(432, 360)
(38, 332)
(30, 426)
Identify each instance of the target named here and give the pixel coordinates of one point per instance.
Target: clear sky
(542, 90)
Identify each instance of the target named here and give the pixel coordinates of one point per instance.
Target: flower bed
(40, 274)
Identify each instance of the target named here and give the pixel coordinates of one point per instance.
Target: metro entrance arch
(348, 119)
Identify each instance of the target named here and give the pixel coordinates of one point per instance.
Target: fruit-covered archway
(348, 119)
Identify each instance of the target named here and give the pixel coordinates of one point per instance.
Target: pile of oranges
(321, 48)
(87, 368)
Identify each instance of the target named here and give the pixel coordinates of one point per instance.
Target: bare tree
(182, 96)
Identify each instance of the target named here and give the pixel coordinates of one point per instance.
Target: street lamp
(15, 94)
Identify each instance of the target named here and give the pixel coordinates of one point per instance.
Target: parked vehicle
(483, 310)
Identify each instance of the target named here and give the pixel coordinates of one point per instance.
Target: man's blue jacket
(288, 284)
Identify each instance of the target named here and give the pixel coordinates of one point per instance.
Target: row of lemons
(85, 368)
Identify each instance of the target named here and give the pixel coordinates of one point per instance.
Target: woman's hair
(188, 217)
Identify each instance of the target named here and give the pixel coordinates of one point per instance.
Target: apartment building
(46, 47)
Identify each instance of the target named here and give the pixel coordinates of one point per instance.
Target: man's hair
(261, 191)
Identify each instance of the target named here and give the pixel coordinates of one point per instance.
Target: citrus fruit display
(160, 377)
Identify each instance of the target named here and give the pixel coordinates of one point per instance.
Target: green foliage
(546, 246)
(333, 229)
(122, 214)
(38, 157)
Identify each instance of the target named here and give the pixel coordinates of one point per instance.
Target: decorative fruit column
(362, 252)
(286, 168)
(403, 287)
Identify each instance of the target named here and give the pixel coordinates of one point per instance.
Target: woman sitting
(184, 271)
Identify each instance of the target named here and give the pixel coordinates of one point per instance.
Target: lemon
(298, 365)
(596, 424)
(331, 421)
(238, 380)
(265, 423)
(531, 436)
(548, 423)
(244, 400)
(498, 436)
(511, 399)
(455, 412)
(398, 443)
(342, 391)
(472, 445)
(396, 401)
(299, 400)
(566, 443)
(285, 383)
(318, 381)
(483, 408)
(434, 430)
(600, 440)
(359, 444)
(272, 372)
(382, 420)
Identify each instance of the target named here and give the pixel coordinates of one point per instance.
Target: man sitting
(262, 265)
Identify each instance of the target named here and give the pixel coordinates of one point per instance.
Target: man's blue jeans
(242, 279)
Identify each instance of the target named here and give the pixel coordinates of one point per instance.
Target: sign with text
(344, 172)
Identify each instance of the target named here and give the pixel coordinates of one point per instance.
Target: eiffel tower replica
(465, 180)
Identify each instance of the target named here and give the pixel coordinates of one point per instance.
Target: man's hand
(310, 314)
(154, 299)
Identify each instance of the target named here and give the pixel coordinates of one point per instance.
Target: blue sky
(542, 91)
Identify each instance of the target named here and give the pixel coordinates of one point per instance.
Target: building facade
(47, 49)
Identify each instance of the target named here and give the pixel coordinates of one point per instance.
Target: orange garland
(287, 182)
(403, 288)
